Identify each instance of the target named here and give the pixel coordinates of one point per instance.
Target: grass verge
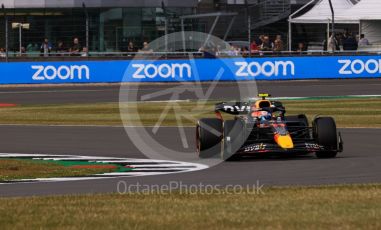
(332, 207)
(15, 169)
(354, 112)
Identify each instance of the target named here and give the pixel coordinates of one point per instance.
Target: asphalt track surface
(358, 164)
(226, 91)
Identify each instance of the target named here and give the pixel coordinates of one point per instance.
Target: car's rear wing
(233, 108)
(238, 108)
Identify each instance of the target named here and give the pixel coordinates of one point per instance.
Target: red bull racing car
(261, 127)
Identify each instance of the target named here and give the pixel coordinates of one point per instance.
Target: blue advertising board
(225, 69)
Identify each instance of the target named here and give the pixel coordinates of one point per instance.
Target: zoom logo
(143, 71)
(62, 72)
(358, 66)
(268, 68)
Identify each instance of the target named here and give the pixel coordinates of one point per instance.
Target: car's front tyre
(325, 134)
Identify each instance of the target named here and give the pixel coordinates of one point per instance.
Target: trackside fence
(190, 70)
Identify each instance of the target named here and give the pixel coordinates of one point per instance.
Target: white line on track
(139, 167)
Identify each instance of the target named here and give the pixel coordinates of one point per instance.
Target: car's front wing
(305, 147)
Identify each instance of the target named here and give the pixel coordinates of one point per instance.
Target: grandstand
(106, 28)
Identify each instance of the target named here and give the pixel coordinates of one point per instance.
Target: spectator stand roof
(321, 12)
(364, 10)
(368, 13)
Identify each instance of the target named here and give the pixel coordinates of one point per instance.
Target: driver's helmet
(259, 111)
(265, 116)
(262, 115)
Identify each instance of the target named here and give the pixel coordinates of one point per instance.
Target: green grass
(73, 114)
(355, 112)
(332, 207)
(15, 169)
(347, 112)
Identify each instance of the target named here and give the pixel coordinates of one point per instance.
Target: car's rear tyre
(208, 137)
(233, 139)
(325, 134)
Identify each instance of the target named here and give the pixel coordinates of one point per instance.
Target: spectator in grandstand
(60, 48)
(76, 48)
(245, 51)
(350, 43)
(346, 33)
(218, 51)
(209, 51)
(278, 44)
(254, 49)
(363, 40)
(266, 45)
(32, 47)
(131, 47)
(2, 52)
(45, 48)
(22, 52)
(85, 52)
(238, 50)
(339, 39)
(261, 38)
(332, 43)
(232, 51)
(301, 48)
(146, 48)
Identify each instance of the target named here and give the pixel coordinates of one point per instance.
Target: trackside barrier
(228, 69)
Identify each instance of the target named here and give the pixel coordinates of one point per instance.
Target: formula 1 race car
(261, 127)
